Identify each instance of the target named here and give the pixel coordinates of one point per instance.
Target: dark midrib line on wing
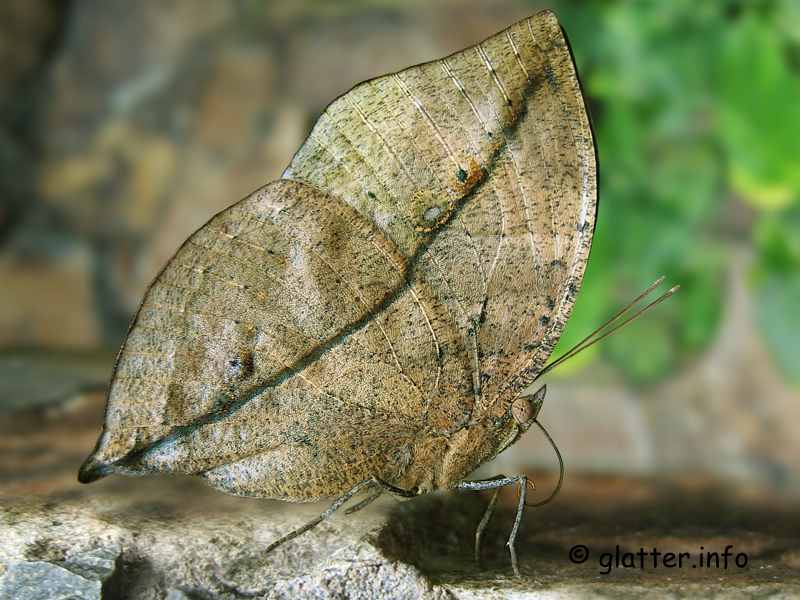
(389, 298)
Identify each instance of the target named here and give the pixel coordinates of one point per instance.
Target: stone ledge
(172, 537)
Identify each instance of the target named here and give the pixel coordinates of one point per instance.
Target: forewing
(480, 167)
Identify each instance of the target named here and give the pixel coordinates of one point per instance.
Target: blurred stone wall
(125, 125)
(149, 117)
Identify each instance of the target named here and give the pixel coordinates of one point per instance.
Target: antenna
(613, 324)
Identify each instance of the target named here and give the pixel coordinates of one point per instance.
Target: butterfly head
(525, 409)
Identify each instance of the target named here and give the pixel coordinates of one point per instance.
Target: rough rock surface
(173, 537)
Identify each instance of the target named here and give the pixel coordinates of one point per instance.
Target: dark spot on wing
(550, 76)
(240, 367)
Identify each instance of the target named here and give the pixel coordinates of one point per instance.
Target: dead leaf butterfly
(370, 322)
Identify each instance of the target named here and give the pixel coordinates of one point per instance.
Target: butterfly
(371, 321)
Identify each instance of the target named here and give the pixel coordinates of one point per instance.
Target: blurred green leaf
(777, 288)
(696, 309)
(591, 309)
(676, 330)
(758, 114)
(644, 351)
(787, 19)
(661, 179)
(777, 241)
(691, 101)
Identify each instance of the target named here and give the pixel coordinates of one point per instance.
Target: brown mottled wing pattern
(283, 330)
(409, 274)
(481, 168)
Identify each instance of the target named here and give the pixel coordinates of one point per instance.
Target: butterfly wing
(281, 352)
(414, 267)
(480, 167)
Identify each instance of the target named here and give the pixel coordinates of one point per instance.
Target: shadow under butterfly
(370, 322)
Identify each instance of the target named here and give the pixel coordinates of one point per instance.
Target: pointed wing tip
(548, 19)
(92, 470)
(546, 14)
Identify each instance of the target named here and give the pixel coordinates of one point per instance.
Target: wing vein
(424, 112)
(378, 134)
(490, 67)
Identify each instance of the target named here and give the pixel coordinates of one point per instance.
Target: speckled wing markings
(281, 329)
(481, 168)
(406, 278)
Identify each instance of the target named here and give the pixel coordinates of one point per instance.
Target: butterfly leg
(365, 502)
(495, 484)
(487, 515)
(337, 504)
(512, 538)
(396, 490)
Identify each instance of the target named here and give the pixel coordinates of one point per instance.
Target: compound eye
(522, 410)
(526, 408)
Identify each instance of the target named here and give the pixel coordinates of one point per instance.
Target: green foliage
(696, 108)
(777, 240)
(758, 115)
(777, 284)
